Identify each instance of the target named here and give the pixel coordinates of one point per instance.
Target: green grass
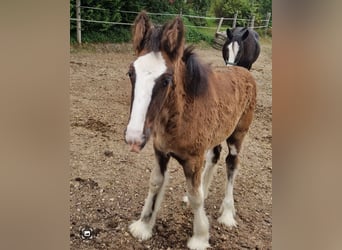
(118, 35)
(200, 35)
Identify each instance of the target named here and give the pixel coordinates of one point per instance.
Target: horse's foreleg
(194, 181)
(142, 228)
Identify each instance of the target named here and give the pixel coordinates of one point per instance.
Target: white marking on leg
(142, 229)
(209, 171)
(227, 207)
(233, 49)
(147, 69)
(232, 149)
(200, 238)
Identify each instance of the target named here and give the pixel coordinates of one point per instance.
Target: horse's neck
(179, 93)
(174, 104)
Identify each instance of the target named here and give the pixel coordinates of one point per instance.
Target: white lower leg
(142, 228)
(227, 207)
(200, 238)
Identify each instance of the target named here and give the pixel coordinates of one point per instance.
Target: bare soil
(109, 184)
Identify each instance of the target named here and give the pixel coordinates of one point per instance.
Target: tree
(244, 8)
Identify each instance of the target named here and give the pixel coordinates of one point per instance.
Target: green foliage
(119, 11)
(120, 35)
(227, 8)
(265, 6)
(105, 13)
(244, 8)
(196, 35)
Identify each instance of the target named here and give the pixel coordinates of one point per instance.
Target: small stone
(160, 228)
(108, 153)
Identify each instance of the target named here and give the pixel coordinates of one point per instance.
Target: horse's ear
(140, 27)
(229, 34)
(245, 35)
(172, 41)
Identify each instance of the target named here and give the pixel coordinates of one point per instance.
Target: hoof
(140, 230)
(227, 218)
(198, 243)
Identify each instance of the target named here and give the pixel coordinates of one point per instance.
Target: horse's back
(255, 34)
(235, 74)
(232, 91)
(256, 45)
(235, 84)
(252, 45)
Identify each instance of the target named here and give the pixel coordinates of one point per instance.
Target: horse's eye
(167, 81)
(129, 73)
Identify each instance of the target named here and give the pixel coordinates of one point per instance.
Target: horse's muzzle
(136, 140)
(231, 64)
(135, 148)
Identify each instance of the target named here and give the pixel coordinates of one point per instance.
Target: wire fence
(224, 22)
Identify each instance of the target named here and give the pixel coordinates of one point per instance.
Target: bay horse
(241, 48)
(189, 110)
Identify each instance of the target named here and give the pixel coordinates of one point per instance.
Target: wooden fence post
(252, 22)
(235, 19)
(219, 26)
(78, 17)
(268, 18)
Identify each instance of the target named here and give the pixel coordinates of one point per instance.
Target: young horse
(241, 48)
(189, 110)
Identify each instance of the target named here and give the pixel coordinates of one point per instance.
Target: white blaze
(233, 49)
(147, 69)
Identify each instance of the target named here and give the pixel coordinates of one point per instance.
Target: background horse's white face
(147, 69)
(233, 50)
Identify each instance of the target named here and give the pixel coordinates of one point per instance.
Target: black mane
(196, 74)
(152, 41)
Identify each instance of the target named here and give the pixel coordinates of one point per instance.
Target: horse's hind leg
(211, 158)
(232, 160)
(142, 228)
(210, 167)
(227, 207)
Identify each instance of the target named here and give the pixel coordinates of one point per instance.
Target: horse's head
(234, 46)
(151, 74)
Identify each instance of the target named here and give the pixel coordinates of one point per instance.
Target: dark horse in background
(189, 110)
(241, 48)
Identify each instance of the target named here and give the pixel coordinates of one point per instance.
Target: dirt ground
(108, 184)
